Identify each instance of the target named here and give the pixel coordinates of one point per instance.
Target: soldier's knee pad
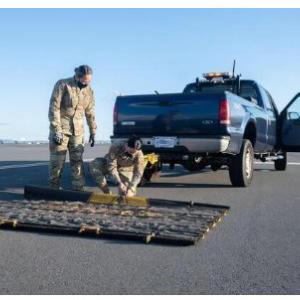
(76, 156)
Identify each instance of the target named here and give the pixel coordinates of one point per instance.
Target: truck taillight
(115, 114)
(224, 112)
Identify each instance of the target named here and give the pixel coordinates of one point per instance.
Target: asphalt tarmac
(254, 250)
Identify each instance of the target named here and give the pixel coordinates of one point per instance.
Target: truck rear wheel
(281, 164)
(241, 167)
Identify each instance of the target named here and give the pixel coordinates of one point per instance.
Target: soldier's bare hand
(123, 188)
(129, 193)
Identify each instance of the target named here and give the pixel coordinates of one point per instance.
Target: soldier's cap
(83, 70)
(134, 143)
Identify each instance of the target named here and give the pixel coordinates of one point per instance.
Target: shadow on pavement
(10, 196)
(264, 170)
(12, 181)
(182, 172)
(107, 240)
(98, 239)
(185, 185)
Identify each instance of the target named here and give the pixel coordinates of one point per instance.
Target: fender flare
(249, 121)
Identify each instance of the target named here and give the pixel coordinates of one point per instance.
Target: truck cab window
(267, 100)
(271, 104)
(249, 91)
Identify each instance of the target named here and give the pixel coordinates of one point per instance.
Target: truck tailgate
(168, 114)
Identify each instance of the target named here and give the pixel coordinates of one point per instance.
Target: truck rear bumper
(185, 144)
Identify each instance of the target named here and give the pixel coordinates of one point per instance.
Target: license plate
(165, 142)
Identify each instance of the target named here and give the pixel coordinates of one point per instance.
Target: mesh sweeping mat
(183, 224)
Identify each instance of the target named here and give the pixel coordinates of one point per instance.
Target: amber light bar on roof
(216, 74)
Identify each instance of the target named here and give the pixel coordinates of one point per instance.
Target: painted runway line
(271, 163)
(17, 166)
(23, 166)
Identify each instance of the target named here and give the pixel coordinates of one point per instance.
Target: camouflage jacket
(117, 161)
(68, 104)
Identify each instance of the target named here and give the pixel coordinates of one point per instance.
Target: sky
(137, 51)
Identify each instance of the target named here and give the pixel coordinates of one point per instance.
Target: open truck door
(290, 126)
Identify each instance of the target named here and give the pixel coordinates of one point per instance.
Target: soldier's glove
(92, 140)
(57, 138)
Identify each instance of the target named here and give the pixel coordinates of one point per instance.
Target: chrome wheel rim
(248, 163)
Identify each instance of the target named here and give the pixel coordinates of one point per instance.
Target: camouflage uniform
(68, 104)
(128, 170)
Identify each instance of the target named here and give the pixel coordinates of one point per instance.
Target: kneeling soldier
(124, 163)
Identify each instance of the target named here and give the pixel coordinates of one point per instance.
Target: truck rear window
(211, 88)
(248, 89)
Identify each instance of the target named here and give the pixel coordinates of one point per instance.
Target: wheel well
(250, 133)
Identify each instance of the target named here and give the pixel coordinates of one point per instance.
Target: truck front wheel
(241, 167)
(280, 164)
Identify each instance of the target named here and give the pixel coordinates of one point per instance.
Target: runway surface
(255, 250)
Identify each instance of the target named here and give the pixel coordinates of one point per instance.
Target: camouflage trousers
(98, 170)
(75, 146)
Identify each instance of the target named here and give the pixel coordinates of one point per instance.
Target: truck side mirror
(293, 115)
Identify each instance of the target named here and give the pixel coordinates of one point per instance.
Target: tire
(281, 164)
(194, 165)
(241, 167)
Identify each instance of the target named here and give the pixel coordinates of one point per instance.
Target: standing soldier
(71, 99)
(124, 163)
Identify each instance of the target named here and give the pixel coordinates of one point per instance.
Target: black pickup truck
(218, 121)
